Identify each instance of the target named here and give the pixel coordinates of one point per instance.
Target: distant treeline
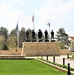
(9, 40)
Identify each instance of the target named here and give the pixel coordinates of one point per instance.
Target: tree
(63, 37)
(13, 39)
(3, 45)
(3, 38)
(1, 42)
(4, 33)
(22, 36)
(13, 32)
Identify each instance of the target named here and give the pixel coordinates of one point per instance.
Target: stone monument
(46, 36)
(40, 36)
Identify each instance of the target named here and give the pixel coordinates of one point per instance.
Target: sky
(60, 14)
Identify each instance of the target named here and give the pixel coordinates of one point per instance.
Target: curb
(55, 66)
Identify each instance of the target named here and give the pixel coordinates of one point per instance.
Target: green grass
(27, 67)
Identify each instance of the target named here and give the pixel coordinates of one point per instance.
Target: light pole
(49, 29)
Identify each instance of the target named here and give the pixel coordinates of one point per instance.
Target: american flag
(33, 18)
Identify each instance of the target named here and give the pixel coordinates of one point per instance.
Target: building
(71, 39)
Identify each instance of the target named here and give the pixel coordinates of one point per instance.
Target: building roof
(72, 37)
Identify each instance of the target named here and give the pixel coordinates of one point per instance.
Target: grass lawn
(27, 67)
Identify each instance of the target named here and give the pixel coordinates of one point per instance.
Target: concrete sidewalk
(59, 60)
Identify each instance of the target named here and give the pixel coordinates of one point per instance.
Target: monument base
(52, 40)
(46, 40)
(40, 48)
(34, 40)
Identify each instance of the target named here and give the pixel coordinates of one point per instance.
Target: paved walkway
(59, 60)
(57, 67)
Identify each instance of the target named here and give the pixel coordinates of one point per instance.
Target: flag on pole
(48, 24)
(17, 26)
(33, 18)
(17, 33)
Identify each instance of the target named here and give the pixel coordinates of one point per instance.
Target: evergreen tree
(4, 33)
(3, 38)
(13, 39)
(22, 36)
(13, 32)
(63, 37)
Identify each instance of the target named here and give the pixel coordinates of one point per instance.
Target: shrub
(3, 47)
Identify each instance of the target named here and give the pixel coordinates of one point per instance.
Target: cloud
(3, 8)
(55, 11)
(11, 16)
(18, 1)
(59, 12)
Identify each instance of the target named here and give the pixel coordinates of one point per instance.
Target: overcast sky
(59, 12)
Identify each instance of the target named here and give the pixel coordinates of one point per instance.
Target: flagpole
(17, 39)
(33, 21)
(33, 26)
(17, 35)
(49, 30)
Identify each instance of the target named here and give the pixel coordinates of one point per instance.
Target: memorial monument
(40, 36)
(27, 36)
(46, 36)
(33, 36)
(52, 36)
